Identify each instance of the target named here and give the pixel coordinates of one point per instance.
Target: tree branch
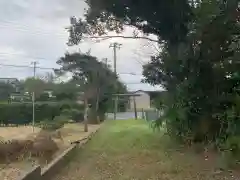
(120, 36)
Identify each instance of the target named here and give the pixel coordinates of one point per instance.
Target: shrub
(74, 114)
(21, 113)
(230, 151)
(57, 123)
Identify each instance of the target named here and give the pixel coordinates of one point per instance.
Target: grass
(130, 150)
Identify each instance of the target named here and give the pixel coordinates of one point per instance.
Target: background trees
(5, 90)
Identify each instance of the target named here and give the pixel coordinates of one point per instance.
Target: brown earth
(44, 146)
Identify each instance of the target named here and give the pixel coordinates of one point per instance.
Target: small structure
(142, 100)
(129, 96)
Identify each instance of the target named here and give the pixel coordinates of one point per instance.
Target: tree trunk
(97, 105)
(135, 107)
(92, 116)
(101, 116)
(85, 115)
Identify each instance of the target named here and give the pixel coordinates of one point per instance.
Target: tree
(66, 90)
(5, 90)
(198, 64)
(95, 78)
(200, 76)
(168, 20)
(35, 85)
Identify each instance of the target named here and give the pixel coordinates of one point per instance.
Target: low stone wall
(56, 165)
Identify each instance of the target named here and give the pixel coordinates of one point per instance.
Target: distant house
(49, 93)
(18, 97)
(13, 81)
(143, 99)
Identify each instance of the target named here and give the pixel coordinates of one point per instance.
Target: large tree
(200, 76)
(168, 20)
(198, 63)
(96, 80)
(35, 85)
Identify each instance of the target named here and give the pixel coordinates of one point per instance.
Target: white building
(142, 100)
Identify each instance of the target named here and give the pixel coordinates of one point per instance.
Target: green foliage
(166, 19)
(60, 91)
(57, 123)
(23, 112)
(230, 152)
(36, 85)
(74, 114)
(96, 80)
(198, 74)
(5, 91)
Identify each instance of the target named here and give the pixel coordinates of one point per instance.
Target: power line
(21, 27)
(25, 66)
(132, 83)
(39, 67)
(26, 56)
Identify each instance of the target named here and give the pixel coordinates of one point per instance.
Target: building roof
(127, 94)
(145, 91)
(9, 80)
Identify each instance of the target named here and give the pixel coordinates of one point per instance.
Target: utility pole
(105, 61)
(33, 95)
(115, 46)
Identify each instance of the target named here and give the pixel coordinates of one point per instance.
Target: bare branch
(120, 36)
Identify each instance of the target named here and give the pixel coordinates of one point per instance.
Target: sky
(35, 30)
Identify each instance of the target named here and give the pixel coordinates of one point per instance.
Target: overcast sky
(34, 30)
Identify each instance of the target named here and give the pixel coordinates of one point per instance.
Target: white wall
(142, 101)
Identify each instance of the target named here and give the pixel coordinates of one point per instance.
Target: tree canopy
(168, 20)
(95, 79)
(198, 64)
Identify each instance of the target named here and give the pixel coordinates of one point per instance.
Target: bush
(21, 113)
(50, 125)
(230, 151)
(74, 114)
(55, 124)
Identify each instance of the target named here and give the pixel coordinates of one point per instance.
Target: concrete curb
(57, 164)
(34, 173)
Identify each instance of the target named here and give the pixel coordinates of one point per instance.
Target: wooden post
(135, 108)
(143, 117)
(115, 107)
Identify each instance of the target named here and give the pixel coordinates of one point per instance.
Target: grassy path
(130, 150)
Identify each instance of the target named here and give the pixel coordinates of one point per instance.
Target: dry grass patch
(20, 132)
(24, 149)
(125, 150)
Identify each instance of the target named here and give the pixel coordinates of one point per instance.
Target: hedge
(21, 113)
